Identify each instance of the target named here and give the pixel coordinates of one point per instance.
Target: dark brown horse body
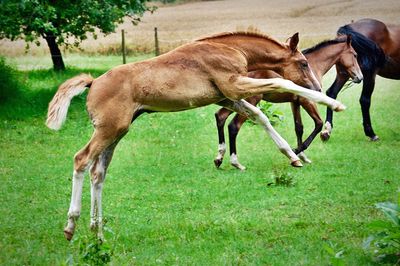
(321, 58)
(378, 47)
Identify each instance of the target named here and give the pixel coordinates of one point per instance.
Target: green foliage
(385, 242)
(10, 85)
(335, 254)
(282, 179)
(274, 115)
(30, 19)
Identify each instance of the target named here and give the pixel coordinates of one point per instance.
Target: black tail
(369, 54)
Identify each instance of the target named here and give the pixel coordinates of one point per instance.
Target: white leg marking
(259, 117)
(304, 157)
(235, 162)
(283, 85)
(221, 151)
(76, 200)
(328, 127)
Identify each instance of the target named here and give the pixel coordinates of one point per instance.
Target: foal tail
(58, 107)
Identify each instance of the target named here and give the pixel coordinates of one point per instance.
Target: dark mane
(253, 33)
(369, 55)
(322, 45)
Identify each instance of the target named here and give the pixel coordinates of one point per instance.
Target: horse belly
(177, 91)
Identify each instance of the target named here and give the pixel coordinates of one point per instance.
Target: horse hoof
(68, 234)
(239, 166)
(325, 135)
(304, 158)
(217, 162)
(296, 163)
(374, 138)
(340, 107)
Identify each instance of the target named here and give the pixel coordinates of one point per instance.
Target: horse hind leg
(98, 174)
(102, 138)
(365, 102)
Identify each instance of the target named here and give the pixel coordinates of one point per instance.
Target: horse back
(182, 79)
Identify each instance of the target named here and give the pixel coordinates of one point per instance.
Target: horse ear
(348, 39)
(294, 41)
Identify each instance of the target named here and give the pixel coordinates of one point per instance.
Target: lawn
(165, 202)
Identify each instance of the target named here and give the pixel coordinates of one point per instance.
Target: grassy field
(177, 24)
(164, 201)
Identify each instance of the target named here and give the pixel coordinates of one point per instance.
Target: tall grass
(164, 201)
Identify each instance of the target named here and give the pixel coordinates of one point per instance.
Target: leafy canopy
(30, 19)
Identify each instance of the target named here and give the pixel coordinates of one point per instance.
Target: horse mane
(251, 32)
(322, 45)
(369, 54)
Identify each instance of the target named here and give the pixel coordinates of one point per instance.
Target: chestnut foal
(321, 58)
(211, 70)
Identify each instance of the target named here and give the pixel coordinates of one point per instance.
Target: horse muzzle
(357, 78)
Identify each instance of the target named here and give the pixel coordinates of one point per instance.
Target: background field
(164, 201)
(178, 24)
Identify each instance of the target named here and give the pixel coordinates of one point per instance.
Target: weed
(282, 179)
(385, 242)
(336, 254)
(274, 115)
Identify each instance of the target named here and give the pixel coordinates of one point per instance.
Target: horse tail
(58, 107)
(369, 54)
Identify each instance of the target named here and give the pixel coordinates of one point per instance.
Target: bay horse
(211, 70)
(321, 58)
(378, 47)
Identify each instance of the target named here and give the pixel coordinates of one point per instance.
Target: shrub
(9, 83)
(385, 242)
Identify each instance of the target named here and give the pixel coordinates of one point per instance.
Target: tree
(59, 20)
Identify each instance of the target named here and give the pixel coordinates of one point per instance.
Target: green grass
(167, 204)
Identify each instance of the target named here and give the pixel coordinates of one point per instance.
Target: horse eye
(304, 65)
(355, 55)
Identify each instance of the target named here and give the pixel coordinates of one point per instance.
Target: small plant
(335, 254)
(282, 179)
(274, 115)
(93, 250)
(385, 242)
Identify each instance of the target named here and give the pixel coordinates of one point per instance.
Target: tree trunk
(58, 63)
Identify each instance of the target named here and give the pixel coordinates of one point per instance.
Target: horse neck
(261, 53)
(324, 58)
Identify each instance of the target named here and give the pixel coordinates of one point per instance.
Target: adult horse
(321, 58)
(378, 47)
(206, 71)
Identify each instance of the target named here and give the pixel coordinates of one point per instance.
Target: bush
(385, 242)
(9, 83)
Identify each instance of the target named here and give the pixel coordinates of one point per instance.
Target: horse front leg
(312, 110)
(245, 87)
(365, 102)
(255, 114)
(298, 125)
(234, 127)
(332, 92)
(220, 118)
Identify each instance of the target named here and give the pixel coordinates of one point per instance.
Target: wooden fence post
(157, 48)
(123, 47)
